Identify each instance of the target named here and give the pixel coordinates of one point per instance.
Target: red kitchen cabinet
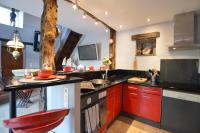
(118, 99)
(142, 101)
(114, 102)
(110, 104)
(131, 102)
(150, 106)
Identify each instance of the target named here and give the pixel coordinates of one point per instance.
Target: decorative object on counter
(49, 33)
(146, 43)
(43, 73)
(155, 76)
(39, 79)
(107, 63)
(24, 72)
(81, 68)
(67, 69)
(14, 44)
(135, 63)
(91, 68)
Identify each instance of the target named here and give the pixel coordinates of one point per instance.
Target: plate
(49, 78)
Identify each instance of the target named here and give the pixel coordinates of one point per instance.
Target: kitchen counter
(112, 82)
(187, 88)
(52, 89)
(117, 80)
(12, 83)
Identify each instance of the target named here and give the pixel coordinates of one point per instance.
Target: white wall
(99, 37)
(125, 49)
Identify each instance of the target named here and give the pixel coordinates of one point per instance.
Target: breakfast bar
(13, 84)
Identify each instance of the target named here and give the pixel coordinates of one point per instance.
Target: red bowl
(45, 73)
(67, 69)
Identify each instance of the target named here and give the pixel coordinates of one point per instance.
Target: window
(5, 17)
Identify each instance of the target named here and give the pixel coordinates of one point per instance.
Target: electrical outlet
(66, 98)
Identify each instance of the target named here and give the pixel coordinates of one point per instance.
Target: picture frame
(146, 47)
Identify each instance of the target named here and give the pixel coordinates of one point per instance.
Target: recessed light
(106, 13)
(148, 19)
(74, 6)
(106, 30)
(96, 23)
(120, 26)
(174, 48)
(84, 16)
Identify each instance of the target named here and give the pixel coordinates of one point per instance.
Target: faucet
(105, 75)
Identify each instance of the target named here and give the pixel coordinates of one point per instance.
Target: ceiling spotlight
(106, 13)
(148, 19)
(120, 26)
(106, 30)
(96, 23)
(84, 16)
(74, 6)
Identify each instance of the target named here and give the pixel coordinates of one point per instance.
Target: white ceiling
(129, 13)
(134, 13)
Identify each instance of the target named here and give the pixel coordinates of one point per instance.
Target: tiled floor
(126, 125)
(4, 111)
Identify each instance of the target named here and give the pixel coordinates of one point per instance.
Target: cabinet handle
(133, 94)
(147, 97)
(150, 91)
(132, 88)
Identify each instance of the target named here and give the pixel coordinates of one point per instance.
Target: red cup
(45, 73)
(67, 69)
(91, 68)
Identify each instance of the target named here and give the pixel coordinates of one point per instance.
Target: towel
(97, 115)
(87, 122)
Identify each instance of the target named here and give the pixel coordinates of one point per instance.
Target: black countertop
(117, 80)
(13, 84)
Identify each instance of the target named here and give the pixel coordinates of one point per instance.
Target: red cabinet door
(131, 102)
(150, 106)
(110, 105)
(118, 99)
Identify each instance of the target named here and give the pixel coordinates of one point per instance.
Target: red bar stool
(40, 122)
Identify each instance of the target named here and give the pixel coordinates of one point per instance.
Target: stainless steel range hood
(185, 32)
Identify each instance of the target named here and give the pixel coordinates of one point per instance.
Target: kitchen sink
(99, 81)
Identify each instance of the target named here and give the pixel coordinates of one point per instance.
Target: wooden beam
(145, 36)
(112, 48)
(49, 32)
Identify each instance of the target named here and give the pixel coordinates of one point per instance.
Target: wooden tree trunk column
(49, 33)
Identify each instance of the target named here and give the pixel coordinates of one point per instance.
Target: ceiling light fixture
(148, 19)
(84, 15)
(120, 26)
(74, 7)
(96, 23)
(15, 42)
(106, 13)
(106, 30)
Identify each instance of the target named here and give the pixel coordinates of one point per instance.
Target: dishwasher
(180, 112)
(93, 112)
